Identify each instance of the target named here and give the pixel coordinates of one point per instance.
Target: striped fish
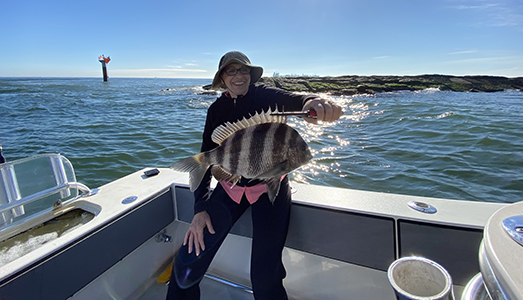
(261, 147)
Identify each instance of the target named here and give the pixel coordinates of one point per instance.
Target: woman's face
(237, 84)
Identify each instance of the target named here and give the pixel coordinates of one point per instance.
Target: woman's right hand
(325, 111)
(194, 235)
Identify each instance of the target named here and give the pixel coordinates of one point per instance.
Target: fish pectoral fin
(223, 175)
(278, 170)
(273, 187)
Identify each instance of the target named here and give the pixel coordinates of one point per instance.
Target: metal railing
(475, 289)
(46, 193)
(12, 201)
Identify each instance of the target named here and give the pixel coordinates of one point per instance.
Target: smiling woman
(235, 73)
(215, 213)
(237, 78)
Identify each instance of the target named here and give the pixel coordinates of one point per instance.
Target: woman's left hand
(325, 111)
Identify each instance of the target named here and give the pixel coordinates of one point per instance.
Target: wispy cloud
(463, 52)
(498, 59)
(476, 7)
(493, 13)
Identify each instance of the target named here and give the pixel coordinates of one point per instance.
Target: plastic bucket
(418, 278)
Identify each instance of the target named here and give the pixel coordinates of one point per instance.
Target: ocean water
(466, 146)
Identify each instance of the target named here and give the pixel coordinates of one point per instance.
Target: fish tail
(196, 168)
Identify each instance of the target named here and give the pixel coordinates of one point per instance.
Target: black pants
(270, 223)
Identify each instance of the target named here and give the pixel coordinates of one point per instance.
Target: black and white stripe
(234, 148)
(258, 140)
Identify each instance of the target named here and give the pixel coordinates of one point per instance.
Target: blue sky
(185, 39)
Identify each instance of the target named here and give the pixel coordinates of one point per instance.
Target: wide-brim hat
(238, 58)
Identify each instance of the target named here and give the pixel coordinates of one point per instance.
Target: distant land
(353, 84)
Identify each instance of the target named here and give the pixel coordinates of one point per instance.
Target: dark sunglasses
(233, 71)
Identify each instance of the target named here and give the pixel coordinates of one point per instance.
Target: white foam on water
(20, 249)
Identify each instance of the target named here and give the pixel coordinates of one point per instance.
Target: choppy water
(431, 143)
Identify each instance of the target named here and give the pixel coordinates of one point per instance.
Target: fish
(260, 147)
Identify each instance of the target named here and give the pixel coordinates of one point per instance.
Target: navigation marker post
(104, 60)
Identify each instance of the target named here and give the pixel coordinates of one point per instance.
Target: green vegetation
(320, 86)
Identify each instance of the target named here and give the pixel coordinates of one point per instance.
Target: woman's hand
(194, 235)
(325, 111)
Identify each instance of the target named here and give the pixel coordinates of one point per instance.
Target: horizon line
(282, 76)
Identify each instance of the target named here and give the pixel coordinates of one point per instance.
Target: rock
(353, 84)
(350, 85)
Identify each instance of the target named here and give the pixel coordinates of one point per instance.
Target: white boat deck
(211, 289)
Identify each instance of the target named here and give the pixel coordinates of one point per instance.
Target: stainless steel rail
(48, 192)
(12, 198)
(475, 289)
(492, 285)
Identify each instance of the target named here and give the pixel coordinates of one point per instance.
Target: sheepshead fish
(261, 147)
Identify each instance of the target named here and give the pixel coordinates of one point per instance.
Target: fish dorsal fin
(226, 130)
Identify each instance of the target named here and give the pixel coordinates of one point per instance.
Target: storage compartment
(24, 242)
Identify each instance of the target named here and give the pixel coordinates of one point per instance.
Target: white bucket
(418, 278)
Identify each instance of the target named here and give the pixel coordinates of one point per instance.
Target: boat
(117, 241)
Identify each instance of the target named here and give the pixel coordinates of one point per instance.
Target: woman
(215, 213)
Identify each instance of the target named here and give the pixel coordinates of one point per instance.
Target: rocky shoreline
(350, 85)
